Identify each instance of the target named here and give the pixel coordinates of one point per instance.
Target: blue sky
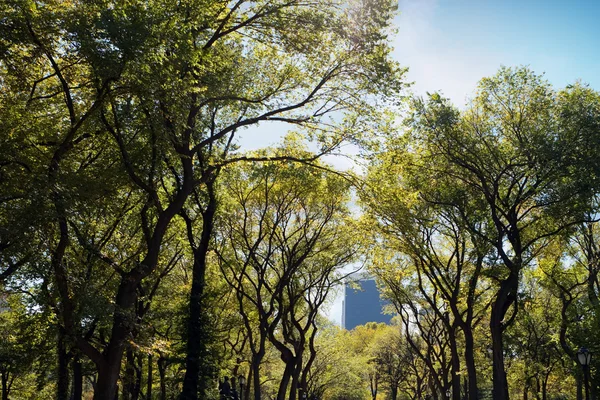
(449, 45)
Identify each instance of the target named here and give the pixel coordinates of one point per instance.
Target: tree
(444, 259)
(517, 156)
(158, 92)
(284, 237)
(23, 331)
(337, 370)
(393, 359)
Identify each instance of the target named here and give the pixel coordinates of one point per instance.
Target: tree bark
(129, 378)
(108, 372)
(77, 379)
(106, 384)
(62, 385)
(5, 389)
(296, 377)
(197, 368)
(504, 299)
(285, 379)
(500, 384)
(545, 387)
(455, 364)
(470, 364)
(161, 372)
(256, 379)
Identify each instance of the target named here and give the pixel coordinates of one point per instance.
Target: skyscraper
(363, 305)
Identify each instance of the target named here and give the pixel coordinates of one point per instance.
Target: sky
(449, 45)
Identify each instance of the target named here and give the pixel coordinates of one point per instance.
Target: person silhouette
(225, 389)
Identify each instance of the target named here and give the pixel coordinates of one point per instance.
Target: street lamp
(242, 381)
(584, 357)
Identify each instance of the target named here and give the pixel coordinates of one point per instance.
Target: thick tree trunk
(284, 383)
(108, 373)
(256, 380)
(106, 385)
(296, 377)
(77, 379)
(455, 364)
(500, 384)
(197, 368)
(62, 385)
(470, 364)
(504, 299)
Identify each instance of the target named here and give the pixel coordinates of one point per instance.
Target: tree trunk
(374, 381)
(108, 372)
(62, 385)
(455, 363)
(312, 355)
(470, 363)
(163, 383)
(394, 392)
(137, 387)
(500, 384)
(106, 384)
(197, 368)
(504, 299)
(5, 390)
(296, 377)
(545, 387)
(77, 379)
(149, 380)
(419, 392)
(256, 379)
(129, 378)
(284, 383)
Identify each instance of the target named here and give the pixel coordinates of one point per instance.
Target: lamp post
(584, 357)
(242, 381)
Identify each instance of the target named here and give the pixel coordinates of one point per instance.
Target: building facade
(363, 305)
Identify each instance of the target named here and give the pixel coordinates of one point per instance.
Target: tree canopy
(144, 253)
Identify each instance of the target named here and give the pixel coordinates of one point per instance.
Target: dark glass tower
(363, 305)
